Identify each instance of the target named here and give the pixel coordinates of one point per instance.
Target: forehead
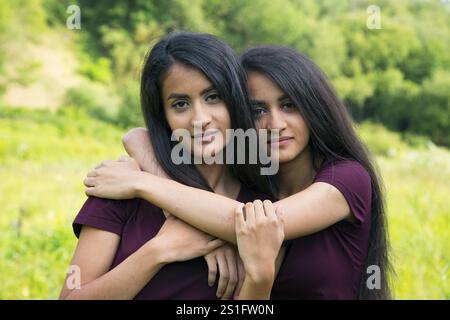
(184, 79)
(262, 87)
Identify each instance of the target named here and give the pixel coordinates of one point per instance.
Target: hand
(180, 241)
(260, 234)
(231, 271)
(114, 179)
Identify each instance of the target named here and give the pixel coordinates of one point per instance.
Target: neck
(220, 179)
(303, 168)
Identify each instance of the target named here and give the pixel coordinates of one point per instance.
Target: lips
(206, 136)
(280, 140)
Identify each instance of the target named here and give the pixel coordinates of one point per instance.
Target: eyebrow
(283, 97)
(174, 95)
(260, 102)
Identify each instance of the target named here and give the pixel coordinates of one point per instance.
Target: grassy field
(44, 157)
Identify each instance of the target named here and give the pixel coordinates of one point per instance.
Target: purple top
(329, 264)
(136, 221)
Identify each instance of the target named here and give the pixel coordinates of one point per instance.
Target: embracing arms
(176, 241)
(313, 209)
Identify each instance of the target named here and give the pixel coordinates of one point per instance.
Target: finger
(223, 274)
(89, 182)
(269, 209)
(241, 277)
(249, 214)
(123, 158)
(104, 163)
(92, 173)
(279, 213)
(259, 210)
(213, 244)
(233, 275)
(90, 191)
(212, 269)
(239, 217)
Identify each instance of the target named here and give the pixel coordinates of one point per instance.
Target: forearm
(196, 207)
(255, 290)
(306, 212)
(124, 281)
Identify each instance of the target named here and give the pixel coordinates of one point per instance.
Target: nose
(200, 118)
(276, 120)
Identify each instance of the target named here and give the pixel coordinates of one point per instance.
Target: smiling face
(191, 101)
(274, 110)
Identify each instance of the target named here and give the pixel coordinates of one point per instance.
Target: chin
(286, 157)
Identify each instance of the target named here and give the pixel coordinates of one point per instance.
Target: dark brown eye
(213, 97)
(288, 106)
(179, 105)
(259, 111)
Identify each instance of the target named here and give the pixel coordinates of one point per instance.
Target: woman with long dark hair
(130, 248)
(290, 93)
(327, 185)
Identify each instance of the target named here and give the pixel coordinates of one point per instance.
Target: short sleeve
(104, 214)
(353, 181)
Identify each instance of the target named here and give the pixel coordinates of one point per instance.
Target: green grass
(44, 158)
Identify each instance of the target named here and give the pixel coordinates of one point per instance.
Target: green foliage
(97, 70)
(130, 114)
(97, 100)
(386, 75)
(431, 115)
(43, 157)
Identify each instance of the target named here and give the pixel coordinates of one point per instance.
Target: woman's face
(274, 110)
(191, 100)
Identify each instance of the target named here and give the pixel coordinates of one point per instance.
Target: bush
(97, 100)
(130, 114)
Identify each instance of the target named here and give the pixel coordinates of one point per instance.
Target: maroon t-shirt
(136, 221)
(329, 264)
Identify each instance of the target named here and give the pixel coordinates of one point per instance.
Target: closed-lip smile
(206, 136)
(280, 140)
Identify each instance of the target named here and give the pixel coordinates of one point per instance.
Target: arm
(94, 254)
(259, 237)
(313, 209)
(176, 241)
(137, 144)
(224, 260)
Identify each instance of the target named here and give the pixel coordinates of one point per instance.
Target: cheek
(260, 123)
(303, 131)
(178, 120)
(222, 116)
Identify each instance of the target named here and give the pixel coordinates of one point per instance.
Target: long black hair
(332, 136)
(217, 61)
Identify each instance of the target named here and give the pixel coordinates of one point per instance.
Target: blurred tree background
(71, 89)
(397, 75)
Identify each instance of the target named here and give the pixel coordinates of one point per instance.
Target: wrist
(255, 290)
(156, 252)
(260, 274)
(139, 185)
